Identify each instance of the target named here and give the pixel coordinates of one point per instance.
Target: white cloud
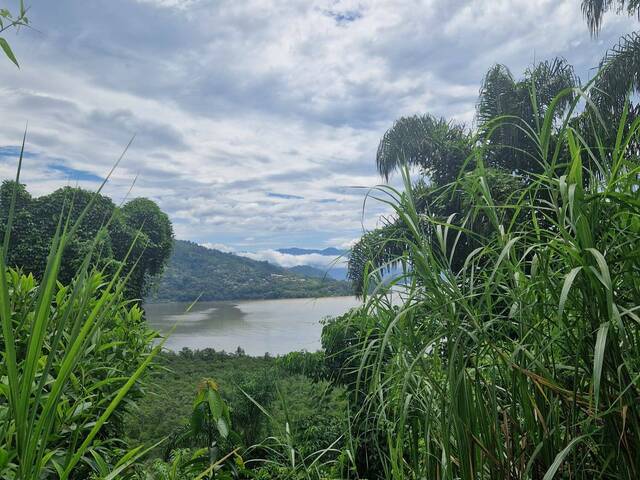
(218, 246)
(343, 243)
(253, 118)
(323, 262)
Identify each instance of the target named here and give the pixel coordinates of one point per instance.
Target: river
(257, 326)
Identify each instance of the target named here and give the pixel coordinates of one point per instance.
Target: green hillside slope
(195, 270)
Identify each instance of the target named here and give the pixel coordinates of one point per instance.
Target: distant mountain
(193, 270)
(329, 252)
(308, 271)
(331, 270)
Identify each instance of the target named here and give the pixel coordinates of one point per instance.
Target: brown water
(258, 326)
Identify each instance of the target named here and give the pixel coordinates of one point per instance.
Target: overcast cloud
(255, 120)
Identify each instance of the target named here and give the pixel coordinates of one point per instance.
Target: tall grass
(525, 362)
(46, 339)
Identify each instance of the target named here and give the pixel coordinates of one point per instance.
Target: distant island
(195, 270)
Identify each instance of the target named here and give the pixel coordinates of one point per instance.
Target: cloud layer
(322, 262)
(257, 121)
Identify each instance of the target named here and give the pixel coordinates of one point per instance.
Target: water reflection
(274, 326)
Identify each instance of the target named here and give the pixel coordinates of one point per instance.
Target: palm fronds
(433, 144)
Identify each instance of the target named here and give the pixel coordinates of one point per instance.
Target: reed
(524, 362)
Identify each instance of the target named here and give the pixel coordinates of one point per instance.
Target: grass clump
(522, 360)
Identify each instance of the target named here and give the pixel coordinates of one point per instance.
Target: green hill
(308, 271)
(193, 270)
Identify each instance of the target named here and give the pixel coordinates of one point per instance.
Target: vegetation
(594, 10)
(71, 354)
(511, 348)
(523, 362)
(36, 221)
(266, 403)
(194, 271)
(9, 21)
(443, 151)
(508, 347)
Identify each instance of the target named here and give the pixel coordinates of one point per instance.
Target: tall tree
(156, 241)
(442, 149)
(619, 73)
(525, 103)
(438, 147)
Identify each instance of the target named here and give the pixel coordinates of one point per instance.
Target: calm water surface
(258, 326)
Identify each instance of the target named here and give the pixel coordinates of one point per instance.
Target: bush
(112, 351)
(71, 354)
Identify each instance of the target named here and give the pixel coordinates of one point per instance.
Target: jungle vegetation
(508, 347)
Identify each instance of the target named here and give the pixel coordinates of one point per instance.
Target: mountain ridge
(194, 270)
(329, 251)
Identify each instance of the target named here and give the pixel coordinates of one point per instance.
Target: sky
(256, 122)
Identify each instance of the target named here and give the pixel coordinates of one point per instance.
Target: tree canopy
(139, 226)
(445, 150)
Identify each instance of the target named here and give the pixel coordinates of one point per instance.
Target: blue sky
(255, 120)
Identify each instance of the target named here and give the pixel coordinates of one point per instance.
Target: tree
(619, 72)
(437, 146)
(36, 221)
(380, 249)
(443, 152)
(619, 77)
(594, 10)
(441, 148)
(524, 102)
(156, 240)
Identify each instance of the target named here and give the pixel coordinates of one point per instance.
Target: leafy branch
(8, 21)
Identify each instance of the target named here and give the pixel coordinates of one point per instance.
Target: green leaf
(568, 281)
(223, 428)
(598, 358)
(215, 403)
(551, 472)
(4, 458)
(8, 52)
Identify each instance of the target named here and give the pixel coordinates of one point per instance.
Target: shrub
(71, 354)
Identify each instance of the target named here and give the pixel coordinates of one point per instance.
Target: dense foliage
(521, 360)
(36, 221)
(194, 270)
(509, 346)
(266, 403)
(71, 354)
(443, 151)
(112, 350)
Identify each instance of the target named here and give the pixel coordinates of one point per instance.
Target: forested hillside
(195, 270)
(496, 334)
